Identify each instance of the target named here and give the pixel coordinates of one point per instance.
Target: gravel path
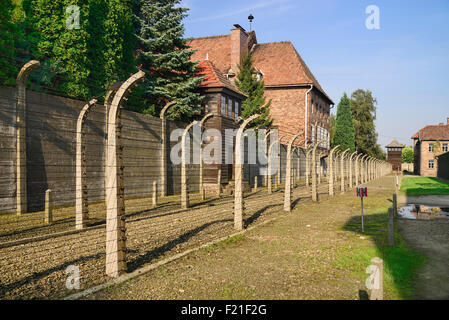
(37, 270)
(430, 237)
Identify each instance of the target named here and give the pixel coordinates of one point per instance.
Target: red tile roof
(433, 132)
(214, 78)
(279, 62)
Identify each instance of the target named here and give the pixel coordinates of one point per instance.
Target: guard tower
(394, 155)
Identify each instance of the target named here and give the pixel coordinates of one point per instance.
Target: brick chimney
(239, 46)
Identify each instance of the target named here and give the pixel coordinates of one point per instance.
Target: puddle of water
(422, 212)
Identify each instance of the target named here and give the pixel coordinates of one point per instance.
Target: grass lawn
(416, 186)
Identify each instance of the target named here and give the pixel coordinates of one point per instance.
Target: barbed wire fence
(45, 254)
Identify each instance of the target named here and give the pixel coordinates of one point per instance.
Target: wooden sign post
(362, 192)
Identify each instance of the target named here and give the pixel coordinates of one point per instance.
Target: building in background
(394, 155)
(428, 143)
(298, 100)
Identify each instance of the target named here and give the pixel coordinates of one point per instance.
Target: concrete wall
(51, 143)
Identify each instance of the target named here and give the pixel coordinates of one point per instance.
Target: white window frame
(445, 147)
(431, 147)
(431, 164)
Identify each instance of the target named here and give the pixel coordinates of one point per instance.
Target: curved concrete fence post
(356, 164)
(351, 170)
(107, 106)
(336, 166)
(115, 203)
(279, 161)
(288, 174)
(238, 200)
(164, 147)
(342, 170)
(314, 167)
(308, 162)
(331, 170)
(363, 166)
(21, 144)
(267, 147)
(201, 180)
(81, 200)
(184, 187)
(270, 176)
(318, 164)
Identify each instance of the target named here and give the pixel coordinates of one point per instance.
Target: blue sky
(405, 63)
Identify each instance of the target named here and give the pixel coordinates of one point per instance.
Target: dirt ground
(293, 257)
(430, 237)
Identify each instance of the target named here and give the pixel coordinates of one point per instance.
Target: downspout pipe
(306, 122)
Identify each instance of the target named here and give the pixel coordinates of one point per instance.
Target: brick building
(298, 100)
(394, 155)
(429, 142)
(223, 100)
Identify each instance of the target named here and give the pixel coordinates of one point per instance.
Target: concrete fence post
(256, 184)
(219, 182)
(351, 170)
(288, 173)
(154, 194)
(377, 291)
(201, 177)
(331, 170)
(164, 147)
(238, 193)
(391, 226)
(270, 176)
(356, 164)
(81, 196)
(115, 203)
(308, 155)
(21, 127)
(342, 170)
(184, 176)
(314, 168)
(318, 164)
(48, 207)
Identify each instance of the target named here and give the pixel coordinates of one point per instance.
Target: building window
(431, 164)
(230, 106)
(223, 106)
(237, 107)
(430, 147)
(313, 134)
(445, 147)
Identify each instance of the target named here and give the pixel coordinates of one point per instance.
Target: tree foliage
(344, 126)
(363, 106)
(164, 53)
(254, 88)
(408, 155)
(8, 34)
(79, 62)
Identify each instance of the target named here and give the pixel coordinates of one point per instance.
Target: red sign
(362, 192)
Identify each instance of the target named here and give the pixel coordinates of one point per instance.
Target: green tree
(80, 62)
(8, 34)
(363, 107)
(408, 155)
(163, 52)
(344, 126)
(248, 83)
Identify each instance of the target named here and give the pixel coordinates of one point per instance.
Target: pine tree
(164, 53)
(344, 127)
(8, 34)
(248, 83)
